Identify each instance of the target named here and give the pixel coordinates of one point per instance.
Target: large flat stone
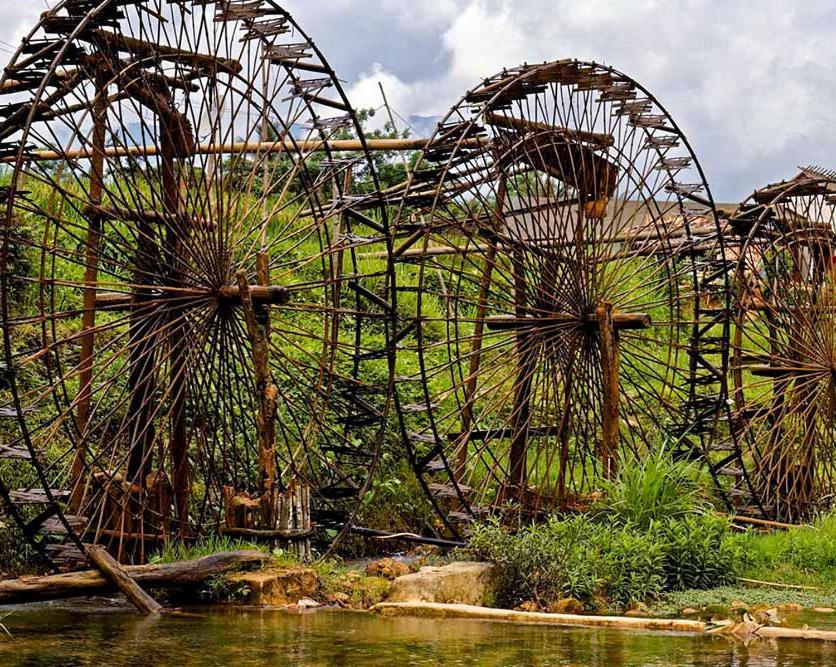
(277, 588)
(456, 583)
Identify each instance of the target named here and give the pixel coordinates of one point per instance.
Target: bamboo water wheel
(185, 318)
(784, 349)
(568, 286)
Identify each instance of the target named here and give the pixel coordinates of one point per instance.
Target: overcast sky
(752, 83)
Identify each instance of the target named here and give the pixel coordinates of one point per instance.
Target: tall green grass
(652, 489)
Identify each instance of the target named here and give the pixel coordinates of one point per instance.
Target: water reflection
(69, 635)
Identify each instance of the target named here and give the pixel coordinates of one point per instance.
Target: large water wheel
(185, 319)
(568, 281)
(784, 349)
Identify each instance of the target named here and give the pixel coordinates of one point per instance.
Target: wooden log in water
(117, 575)
(182, 574)
(439, 610)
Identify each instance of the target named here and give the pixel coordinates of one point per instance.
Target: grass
(804, 556)
(652, 490)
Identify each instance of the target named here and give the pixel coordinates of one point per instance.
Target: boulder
(456, 583)
(277, 588)
(566, 606)
(738, 606)
(387, 568)
(307, 603)
(636, 610)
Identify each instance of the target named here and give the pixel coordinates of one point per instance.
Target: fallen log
(91, 582)
(116, 573)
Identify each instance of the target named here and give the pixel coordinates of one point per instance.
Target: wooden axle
(621, 321)
(261, 294)
(147, 215)
(782, 371)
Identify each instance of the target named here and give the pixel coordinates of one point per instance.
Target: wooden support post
(93, 243)
(142, 380)
(478, 334)
(526, 359)
(176, 238)
(611, 389)
(267, 404)
(91, 273)
(110, 568)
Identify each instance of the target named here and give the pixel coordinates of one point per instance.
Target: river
(98, 633)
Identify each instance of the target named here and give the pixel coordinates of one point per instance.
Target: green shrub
(540, 563)
(611, 563)
(630, 565)
(699, 552)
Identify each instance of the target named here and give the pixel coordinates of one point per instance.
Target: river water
(101, 634)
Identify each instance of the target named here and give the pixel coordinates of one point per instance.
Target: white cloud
(16, 20)
(752, 85)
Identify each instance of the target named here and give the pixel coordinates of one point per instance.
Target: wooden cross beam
(621, 321)
(274, 295)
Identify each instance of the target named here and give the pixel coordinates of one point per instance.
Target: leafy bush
(699, 552)
(630, 564)
(604, 564)
(540, 563)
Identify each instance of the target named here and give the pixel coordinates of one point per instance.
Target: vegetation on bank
(656, 540)
(653, 532)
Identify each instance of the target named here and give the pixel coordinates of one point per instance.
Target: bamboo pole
(439, 251)
(765, 523)
(288, 145)
(610, 371)
(91, 276)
